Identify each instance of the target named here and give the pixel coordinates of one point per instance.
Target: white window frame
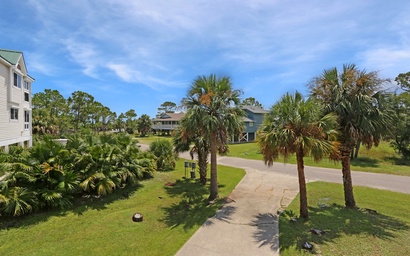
(28, 98)
(17, 80)
(14, 114)
(27, 85)
(26, 120)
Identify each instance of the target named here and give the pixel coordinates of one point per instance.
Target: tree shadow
(397, 160)
(365, 162)
(81, 204)
(336, 221)
(267, 230)
(193, 209)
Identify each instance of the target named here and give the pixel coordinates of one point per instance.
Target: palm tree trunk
(214, 179)
(356, 152)
(203, 165)
(347, 179)
(303, 209)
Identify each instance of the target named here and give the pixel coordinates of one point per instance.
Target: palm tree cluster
(346, 108)
(213, 115)
(50, 175)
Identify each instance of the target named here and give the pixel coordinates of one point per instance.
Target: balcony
(164, 126)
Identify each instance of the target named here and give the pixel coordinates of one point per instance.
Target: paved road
(381, 181)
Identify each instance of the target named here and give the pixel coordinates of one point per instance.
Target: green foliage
(401, 125)
(144, 124)
(251, 102)
(164, 153)
(403, 80)
(50, 174)
(103, 226)
(166, 107)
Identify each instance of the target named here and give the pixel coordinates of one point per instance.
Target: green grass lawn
(103, 226)
(151, 138)
(348, 231)
(381, 159)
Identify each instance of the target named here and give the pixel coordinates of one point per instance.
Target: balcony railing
(164, 126)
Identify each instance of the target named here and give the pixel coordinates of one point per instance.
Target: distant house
(253, 119)
(15, 100)
(166, 123)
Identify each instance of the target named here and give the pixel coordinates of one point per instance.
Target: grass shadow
(80, 205)
(267, 231)
(193, 209)
(365, 162)
(397, 161)
(336, 221)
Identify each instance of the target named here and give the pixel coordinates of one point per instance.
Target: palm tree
(213, 101)
(144, 124)
(293, 125)
(355, 97)
(165, 156)
(189, 133)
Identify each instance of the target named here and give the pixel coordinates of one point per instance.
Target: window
(26, 96)
(250, 124)
(14, 114)
(26, 120)
(17, 80)
(26, 85)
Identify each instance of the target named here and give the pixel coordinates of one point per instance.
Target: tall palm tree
(356, 98)
(293, 125)
(213, 101)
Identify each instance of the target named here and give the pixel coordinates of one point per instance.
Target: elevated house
(15, 100)
(166, 123)
(252, 120)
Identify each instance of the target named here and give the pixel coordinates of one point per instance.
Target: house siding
(4, 117)
(12, 131)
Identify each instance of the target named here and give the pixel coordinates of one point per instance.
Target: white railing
(164, 126)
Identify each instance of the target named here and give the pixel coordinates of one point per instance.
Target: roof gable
(171, 116)
(11, 57)
(254, 109)
(16, 59)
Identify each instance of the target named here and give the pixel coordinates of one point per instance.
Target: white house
(15, 100)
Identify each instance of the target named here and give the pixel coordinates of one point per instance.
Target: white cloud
(389, 61)
(84, 54)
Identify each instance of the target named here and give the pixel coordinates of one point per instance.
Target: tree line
(53, 114)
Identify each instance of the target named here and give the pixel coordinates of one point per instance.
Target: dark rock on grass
(317, 231)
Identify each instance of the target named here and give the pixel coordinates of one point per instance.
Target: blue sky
(139, 54)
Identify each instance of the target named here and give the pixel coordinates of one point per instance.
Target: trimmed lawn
(381, 159)
(381, 226)
(103, 226)
(151, 138)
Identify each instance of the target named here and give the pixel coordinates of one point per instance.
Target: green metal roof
(10, 56)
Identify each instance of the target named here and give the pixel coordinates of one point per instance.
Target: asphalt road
(374, 180)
